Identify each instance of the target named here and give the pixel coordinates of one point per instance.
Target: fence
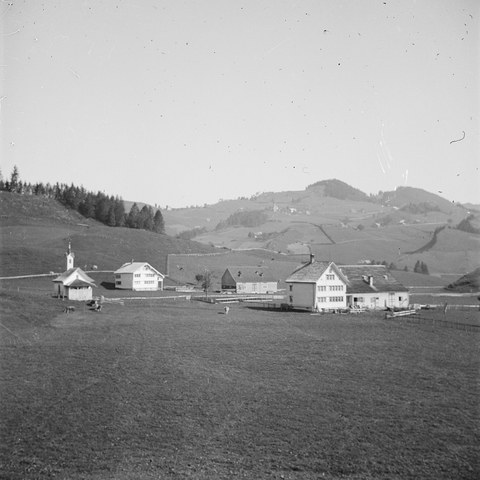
(420, 319)
(401, 313)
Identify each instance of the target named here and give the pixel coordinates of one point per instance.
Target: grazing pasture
(180, 390)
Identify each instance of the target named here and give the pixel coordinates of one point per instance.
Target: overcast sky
(186, 102)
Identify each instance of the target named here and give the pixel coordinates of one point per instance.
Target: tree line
(106, 209)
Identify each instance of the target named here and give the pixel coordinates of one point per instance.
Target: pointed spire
(70, 256)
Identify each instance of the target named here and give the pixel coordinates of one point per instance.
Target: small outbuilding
(138, 276)
(74, 283)
(249, 280)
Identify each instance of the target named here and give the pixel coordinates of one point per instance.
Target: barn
(138, 276)
(247, 279)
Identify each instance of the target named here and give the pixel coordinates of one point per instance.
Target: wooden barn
(138, 276)
(249, 280)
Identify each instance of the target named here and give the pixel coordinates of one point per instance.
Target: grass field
(180, 390)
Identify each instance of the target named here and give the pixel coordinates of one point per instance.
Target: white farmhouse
(325, 286)
(138, 276)
(74, 283)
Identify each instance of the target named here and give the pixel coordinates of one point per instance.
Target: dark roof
(250, 274)
(358, 279)
(309, 273)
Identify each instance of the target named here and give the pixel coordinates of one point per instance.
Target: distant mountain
(337, 189)
(339, 222)
(403, 197)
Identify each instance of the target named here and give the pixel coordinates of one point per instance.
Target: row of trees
(420, 267)
(106, 209)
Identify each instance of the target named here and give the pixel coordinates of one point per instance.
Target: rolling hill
(35, 231)
(339, 222)
(329, 218)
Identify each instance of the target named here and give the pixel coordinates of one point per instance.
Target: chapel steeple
(70, 256)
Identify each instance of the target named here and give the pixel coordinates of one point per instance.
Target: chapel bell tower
(70, 256)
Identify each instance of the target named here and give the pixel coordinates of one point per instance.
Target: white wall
(257, 287)
(81, 294)
(380, 300)
(143, 282)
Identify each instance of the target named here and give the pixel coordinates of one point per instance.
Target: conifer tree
(14, 179)
(158, 222)
(132, 217)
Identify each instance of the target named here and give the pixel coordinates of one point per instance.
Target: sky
(184, 103)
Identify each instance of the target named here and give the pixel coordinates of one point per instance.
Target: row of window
(323, 288)
(331, 288)
(137, 282)
(331, 299)
(137, 275)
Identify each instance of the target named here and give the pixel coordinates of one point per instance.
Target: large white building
(325, 286)
(317, 286)
(139, 276)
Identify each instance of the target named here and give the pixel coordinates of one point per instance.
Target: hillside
(35, 232)
(467, 283)
(410, 226)
(339, 222)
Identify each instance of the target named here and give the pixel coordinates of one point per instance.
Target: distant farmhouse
(325, 286)
(249, 280)
(138, 276)
(74, 283)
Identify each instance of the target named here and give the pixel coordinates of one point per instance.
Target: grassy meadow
(176, 389)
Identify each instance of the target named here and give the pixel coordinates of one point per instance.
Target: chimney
(312, 258)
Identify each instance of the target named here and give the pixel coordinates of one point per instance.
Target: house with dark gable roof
(249, 280)
(325, 286)
(373, 287)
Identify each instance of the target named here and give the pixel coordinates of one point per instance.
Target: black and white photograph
(239, 239)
